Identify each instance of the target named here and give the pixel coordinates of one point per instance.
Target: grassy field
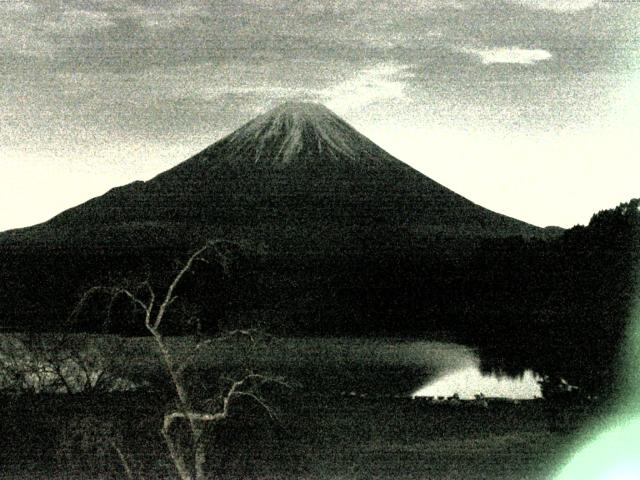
(316, 438)
(320, 434)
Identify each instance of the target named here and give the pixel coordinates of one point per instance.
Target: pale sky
(527, 107)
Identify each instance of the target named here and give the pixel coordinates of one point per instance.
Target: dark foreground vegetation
(61, 436)
(566, 305)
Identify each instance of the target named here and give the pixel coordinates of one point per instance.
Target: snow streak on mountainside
(298, 128)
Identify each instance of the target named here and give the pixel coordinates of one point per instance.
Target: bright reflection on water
(469, 381)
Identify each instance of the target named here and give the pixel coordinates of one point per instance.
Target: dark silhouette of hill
(567, 304)
(297, 175)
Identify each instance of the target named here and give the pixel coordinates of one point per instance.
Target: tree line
(559, 306)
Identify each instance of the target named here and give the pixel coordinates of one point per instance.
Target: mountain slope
(297, 166)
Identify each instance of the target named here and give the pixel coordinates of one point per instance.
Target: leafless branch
(84, 299)
(123, 460)
(240, 333)
(198, 419)
(259, 401)
(155, 308)
(193, 355)
(168, 299)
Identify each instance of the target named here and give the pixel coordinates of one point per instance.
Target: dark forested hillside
(572, 299)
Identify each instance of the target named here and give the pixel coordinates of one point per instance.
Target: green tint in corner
(613, 452)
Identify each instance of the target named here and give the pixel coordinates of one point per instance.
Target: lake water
(328, 365)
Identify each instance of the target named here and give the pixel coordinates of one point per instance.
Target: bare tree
(56, 363)
(189, 462)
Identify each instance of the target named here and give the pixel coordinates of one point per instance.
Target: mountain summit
(295, 131)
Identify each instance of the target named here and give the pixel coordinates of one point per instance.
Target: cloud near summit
(137, 85)
(561, 6)
(523, 56)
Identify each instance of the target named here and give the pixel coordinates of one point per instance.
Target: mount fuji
(298, 166)
(326, 204)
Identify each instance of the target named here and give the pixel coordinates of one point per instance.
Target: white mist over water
(470, 381)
